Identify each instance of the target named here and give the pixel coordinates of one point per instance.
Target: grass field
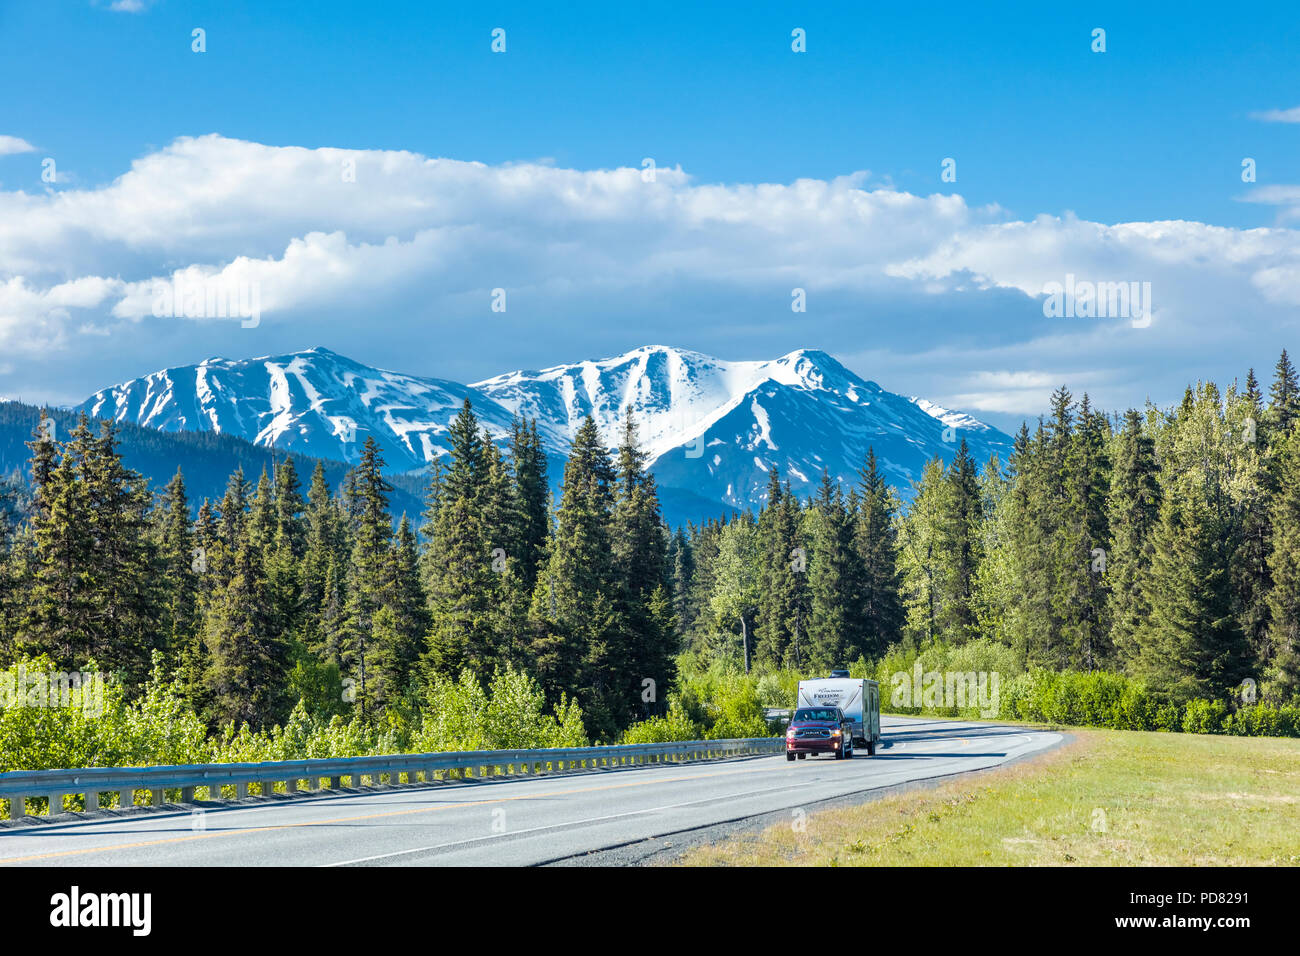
(1108, 798)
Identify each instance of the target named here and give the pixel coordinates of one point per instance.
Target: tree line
(272, 595)
(1162, 543)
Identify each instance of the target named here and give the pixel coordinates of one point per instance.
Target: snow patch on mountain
(714, 429)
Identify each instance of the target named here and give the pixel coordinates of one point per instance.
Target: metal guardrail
(98, 784)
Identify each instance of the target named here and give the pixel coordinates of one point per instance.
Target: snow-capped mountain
(713, 428)
(717, 428)
(315, 402)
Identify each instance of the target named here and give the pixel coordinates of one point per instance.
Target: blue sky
(1153, 130)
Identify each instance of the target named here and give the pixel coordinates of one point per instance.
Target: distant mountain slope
(713, 428)
(207, 459)
(314, 402)
(717, 428)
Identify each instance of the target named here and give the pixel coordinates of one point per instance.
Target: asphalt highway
(515, 822)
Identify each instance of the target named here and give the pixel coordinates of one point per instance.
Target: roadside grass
(1107, 798)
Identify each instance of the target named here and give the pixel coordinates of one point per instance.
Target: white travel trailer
(858, 699)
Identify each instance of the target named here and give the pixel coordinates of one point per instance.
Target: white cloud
(10, 145)
(1285, 197)
(1278, 116)
(931, 289)
(36, 321)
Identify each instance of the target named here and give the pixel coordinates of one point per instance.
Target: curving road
(515, 822)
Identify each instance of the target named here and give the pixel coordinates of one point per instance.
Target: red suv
(819, 730)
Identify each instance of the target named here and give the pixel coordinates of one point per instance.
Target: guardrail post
(157, 798)
(93, 798)
(187, 794)
(241, 789)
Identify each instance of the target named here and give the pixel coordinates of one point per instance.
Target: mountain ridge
(713, 428)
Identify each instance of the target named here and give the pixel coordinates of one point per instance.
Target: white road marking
(553, 826)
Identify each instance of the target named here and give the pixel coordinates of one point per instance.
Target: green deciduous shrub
(1088, 698)
(718, 701)
(675, 725)
(1204, 716)
(160, 728)
(509, 714)
(102, 731)
(1168, 717)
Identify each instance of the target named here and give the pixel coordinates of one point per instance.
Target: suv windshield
(816, 713)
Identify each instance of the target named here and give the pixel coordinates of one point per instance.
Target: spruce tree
(462, 586)
(129, 595)
(833, 580)
(367, 572)
(59, 612)
(785, 601)
(879, 596)
(1085, 537)
(704, 542)
(923, 539)
(682, 557)
(321, 553)
(12, 572)
(193, 667)
(248, 657)
(231, 526)
(290, 529)
(1191, 645)
(577, 638)
(1133, 507)
(958, 548)
(179, 574)
(1282, 659)
(641, 555)
(532, 492)
(262, 515)
(503, 521)
(1256, 485)
(400, 623)
(1284, 396)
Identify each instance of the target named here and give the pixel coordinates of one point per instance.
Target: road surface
(515, 822)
